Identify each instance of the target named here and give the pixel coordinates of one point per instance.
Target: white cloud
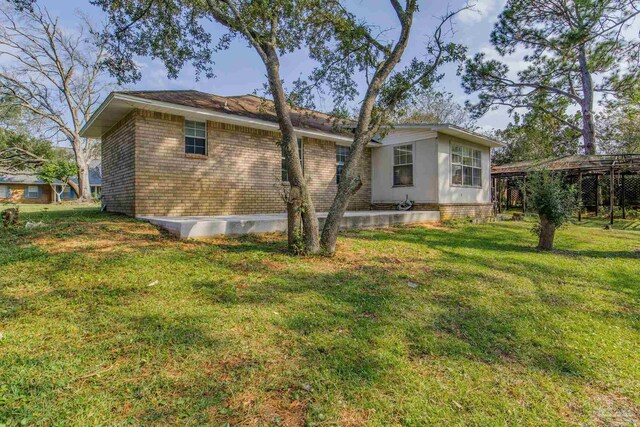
(483, 10)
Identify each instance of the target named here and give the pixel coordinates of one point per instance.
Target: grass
(107, 321)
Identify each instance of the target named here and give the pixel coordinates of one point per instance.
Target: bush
(553, 200)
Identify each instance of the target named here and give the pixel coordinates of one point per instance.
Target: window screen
(32, 192)
(195, 137)
(466, 166)
(403, 165)
(342, 154)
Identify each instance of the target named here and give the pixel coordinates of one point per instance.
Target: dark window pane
(342, 154)
(456, 173)
(477, 177)
(467, 176)
(403, 175)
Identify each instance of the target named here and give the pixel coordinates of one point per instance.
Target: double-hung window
(283, 163)
(403, 165)
(195, 137)
(5, 192)
(32, 192)
(342, 154)
(466, 166)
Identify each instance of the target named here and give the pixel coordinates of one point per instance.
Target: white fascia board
(96, 113)
(456, 131)
(192, 112)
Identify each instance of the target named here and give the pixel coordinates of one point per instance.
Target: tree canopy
(20, 152)
(52, 75)
(572, 50)
(434, 106)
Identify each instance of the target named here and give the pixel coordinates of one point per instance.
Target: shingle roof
(249, 106)
(95, 177)
(594, 163)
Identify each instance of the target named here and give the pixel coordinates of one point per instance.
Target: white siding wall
(396, 136)
(425, 169)
(459, 194)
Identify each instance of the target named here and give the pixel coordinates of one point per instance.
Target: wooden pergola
(579, 168)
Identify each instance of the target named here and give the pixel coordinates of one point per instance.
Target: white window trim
(451, 145)
(413, 162)
(206, 138)
(27, 192)
(341, 163)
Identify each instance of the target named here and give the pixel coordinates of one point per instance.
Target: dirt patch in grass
(611, 409)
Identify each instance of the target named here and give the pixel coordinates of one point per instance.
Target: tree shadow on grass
(354, 324)
(482, 238)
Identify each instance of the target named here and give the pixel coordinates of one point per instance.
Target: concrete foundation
(194, 227)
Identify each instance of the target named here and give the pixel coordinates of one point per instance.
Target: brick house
(27, 188)
(190, 153)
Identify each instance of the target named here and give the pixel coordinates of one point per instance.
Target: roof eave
(137, 102)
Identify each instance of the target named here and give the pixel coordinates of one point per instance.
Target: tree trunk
(294, 224)
(586, 105)
(351, 181)
(83, 190)
(547, 234)
(299, 202)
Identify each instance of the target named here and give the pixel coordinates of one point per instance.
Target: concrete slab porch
(194, 227)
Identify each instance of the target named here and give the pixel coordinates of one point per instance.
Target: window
(466, 166)
(32, 192)
(403, 165)
(342, 154)
(283, 163)
(195, 137)
(5, 192)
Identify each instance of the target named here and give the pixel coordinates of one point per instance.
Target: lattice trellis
(591, 185)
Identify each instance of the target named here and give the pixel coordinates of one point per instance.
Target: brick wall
(466, 210)
(239, 175)
(18, 194)
(320, 171)
(118, 166)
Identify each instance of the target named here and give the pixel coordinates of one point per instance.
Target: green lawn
(106, 321)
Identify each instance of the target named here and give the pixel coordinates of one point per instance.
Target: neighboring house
(191, 153)
(27, 188)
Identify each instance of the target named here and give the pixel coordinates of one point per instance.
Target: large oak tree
(53, 75)
(344, 46)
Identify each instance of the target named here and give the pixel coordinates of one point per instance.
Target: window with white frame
(32, 192)
(5, 192)
(342, 154)
(403, 165)
(466, 166)
(283, 163)
(195, 137)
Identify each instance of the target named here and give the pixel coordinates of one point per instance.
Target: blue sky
(240, 71)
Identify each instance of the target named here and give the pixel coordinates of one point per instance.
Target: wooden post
(598, 194)
(524, 195)
(622, 198)
(500, 195)
(580, 196)
(612, 193)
